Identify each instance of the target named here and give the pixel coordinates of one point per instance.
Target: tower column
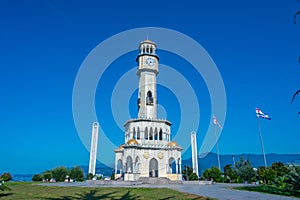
(194, 153)
(93, 151)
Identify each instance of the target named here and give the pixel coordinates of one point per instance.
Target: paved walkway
(218, 191)
(224, 192)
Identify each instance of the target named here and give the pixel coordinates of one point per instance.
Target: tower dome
(172, 144)
(132, 142)
(148, 41)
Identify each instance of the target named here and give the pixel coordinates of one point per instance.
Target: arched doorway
(172, 166)
(129, 165)
(153, 168)
(119, 167)
(137, 165)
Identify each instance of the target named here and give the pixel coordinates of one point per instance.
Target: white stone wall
(141, 157)
(147, 82)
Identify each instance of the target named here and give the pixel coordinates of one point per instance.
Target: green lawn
(30, 191)
(271, 190)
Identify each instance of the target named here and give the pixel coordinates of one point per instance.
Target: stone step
(155, 180)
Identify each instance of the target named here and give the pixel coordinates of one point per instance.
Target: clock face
(150, 61)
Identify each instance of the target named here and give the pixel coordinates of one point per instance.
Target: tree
(90, 176)
(216, 174)
(245, 171)
(188, 174)
(47, 175)
(293, 178)
(37, 177)
(295, 94)
(112, 177)
(267, 175)
(213, 173)
(298, 91)
(295, 16)
(4, 188)
(77, 174)
(206, 174)
(229, 173)
(280, 168)
(60, 173)
(193, 177)
(6, 177)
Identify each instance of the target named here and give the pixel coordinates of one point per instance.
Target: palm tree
(294, 96)
(298, 91)
(295, 16)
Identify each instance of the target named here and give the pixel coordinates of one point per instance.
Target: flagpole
(262, 144)
(217, 148)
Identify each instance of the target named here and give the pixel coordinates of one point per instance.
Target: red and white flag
(216, 122)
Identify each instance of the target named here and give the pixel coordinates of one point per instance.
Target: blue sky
(254, 44)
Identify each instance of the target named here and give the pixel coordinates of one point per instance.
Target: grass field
(271, 190)
(30, 191)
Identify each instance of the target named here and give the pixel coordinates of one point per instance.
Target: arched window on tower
(160, 137)
(149, 99)
(151, 134)
(146, 134)
(138, 134)
(155, 134)
(134, 134)
(143, 49)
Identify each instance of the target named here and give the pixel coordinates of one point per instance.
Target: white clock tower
(148, 153)
(147, 72)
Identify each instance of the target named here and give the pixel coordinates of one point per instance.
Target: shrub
(47, 175)
(37, 177)
(77, 174)
(267, 175)
(90, 176)
(4, 188)
(213, 173)
(6, 177)
(188, 174)
(60, 173)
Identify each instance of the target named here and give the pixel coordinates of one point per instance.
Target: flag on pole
(260, 114)
(216, 122)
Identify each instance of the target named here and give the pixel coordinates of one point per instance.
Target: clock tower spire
(147, 72)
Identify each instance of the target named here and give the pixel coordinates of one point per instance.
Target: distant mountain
(255, 159)
(100, 169)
